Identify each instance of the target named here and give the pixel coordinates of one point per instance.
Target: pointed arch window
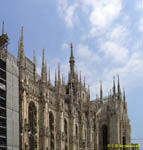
(32, 116)
(51, 129)
(105, 136)
(76, 131)
(66, 133)
(124, 142)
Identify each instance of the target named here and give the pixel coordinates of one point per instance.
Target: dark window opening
(2, 103)
(2, 131)
(51, 129)
(32, 126)
(2, 64)
(76, 131)
(124, 142)
(105, 137)
(2, 74)
(2, 142)
(2, 112)
(3, 122)
(66, 131)
(2, 93)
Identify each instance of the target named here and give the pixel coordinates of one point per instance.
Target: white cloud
(131, 72)
(100, 14)
(84, 52)
(115, 52)
(119, 33)
(104, 12)
(140, 4)
(141, 25)
(69, 15)
(67, 11)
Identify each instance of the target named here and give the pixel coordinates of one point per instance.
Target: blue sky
(107, 37)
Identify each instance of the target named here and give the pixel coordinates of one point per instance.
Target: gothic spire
(21, 57)
(3, 31)
(119, 89)
(59, 78)
(21, 49)
(71, 61)
(62, 80)
(124, 100)
(124, 95)
(55, 78)
(22, 28)
(89, 90)
(110, 93)
(34, 62)
(72, 51)
(101, 92)
(34, 58)
(43, 58)
(49, 76)
(114, 86)
(84, 81)
(80, 78)
(43, 72)
(22, 37)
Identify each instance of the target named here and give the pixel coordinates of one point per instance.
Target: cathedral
(62, 116)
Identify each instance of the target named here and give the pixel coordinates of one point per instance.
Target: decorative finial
(80, 77)
(49, 76)
(55, 78)
(46, 70)
(84, 81)
(44, 67)
(124, 95)
(89, 89)
(43, 56)
(59, 78)
(119, 89)
(72, 50)
(22, 30)
(114, 86)
(101, 92)
(62, 79)
(3, 28)
(110, 93)
(34, 57)
(34, 62)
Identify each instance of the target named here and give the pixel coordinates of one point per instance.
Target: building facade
(9, 99)
(62, 116)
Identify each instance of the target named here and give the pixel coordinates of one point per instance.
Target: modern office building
(3, 120)
(9, 98)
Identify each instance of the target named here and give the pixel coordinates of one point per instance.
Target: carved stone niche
(41, 132)
(58, 136)
(71, 140)
(63, 136)
(47, 132)
(26, 125)
(35, 142)
(82, 143)
(75, 140)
